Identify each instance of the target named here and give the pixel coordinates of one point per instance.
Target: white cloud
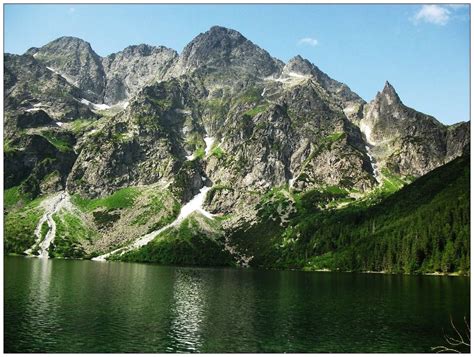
(308, 41)
(434, 14)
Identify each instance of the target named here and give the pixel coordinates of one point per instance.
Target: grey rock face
(75, 60)
(130, 70)
(36, 100)
(30, 87)
(141, 145)
(109, 80)
(296, 138)
(406, 141)
(224, 50)
(458, 140)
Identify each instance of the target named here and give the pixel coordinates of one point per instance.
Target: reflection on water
(43, 297)
(83, 306)
(188, 306)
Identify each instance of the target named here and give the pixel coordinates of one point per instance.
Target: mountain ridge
(148, 47)
(223, 114)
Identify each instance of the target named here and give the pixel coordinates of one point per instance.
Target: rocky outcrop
(31, 87)
(141, 145)
(408, 142)
(458, 140)
(302, 67)
(74, 59)
(35, 163)
(130, 70)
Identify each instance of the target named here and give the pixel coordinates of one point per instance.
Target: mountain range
(151, 155)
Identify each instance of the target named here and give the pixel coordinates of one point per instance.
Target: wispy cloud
(308, 41)
(433, 14)
(458, 6)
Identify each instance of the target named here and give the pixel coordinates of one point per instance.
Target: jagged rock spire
(388, 94)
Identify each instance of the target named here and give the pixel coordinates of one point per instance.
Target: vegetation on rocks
(122, 198)
(71, 232)
(58, 140)
(194, 242)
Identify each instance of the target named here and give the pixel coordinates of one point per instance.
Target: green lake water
(86, 306)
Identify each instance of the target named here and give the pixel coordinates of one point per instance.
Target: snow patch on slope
(367, 131)
(290, 78)
(66, 77)
(32, 110)
(94, 105)
(367, 135)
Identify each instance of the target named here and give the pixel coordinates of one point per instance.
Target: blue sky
(423, 50)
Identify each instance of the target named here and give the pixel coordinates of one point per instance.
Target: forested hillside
(424, 227)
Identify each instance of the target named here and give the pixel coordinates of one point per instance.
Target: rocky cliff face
(141, 145)
(458, 140)
(133, 68)
(223, 113)
(31, 87)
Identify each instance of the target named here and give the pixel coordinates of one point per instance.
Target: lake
(86, 306)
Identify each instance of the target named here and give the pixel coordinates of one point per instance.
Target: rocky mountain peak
(69, 41)
(68, 45)
(131, 69)
(75, 60)
(388, 95)
(224, 32)
(217, 42)
(299, 65)
(221, 48)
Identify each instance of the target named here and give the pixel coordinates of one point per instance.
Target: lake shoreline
(325, 270)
